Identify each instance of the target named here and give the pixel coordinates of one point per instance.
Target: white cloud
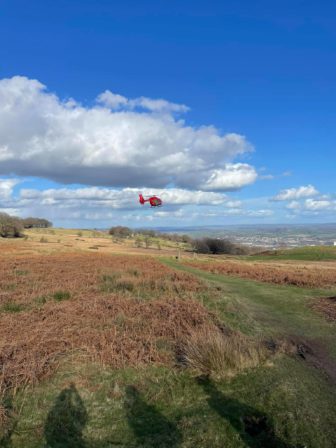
(232, 177)
(242, 212)
(293, 205)
(323, 204)
(112, 100)
(233, 204)
(115, 101)
(260, 213)
(113, 143)
(9, 211)
(116, 199)
(319, 204)
(296, 193)
(6, 188)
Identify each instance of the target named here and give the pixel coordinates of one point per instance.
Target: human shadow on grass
(66, 421)
(150, 427)
(255, 428)
(9, 423)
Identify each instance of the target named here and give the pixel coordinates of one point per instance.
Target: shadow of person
(8, 427)
(255, 428)
(66, 421)
(150, 427)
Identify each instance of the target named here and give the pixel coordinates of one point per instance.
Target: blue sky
(246, 132)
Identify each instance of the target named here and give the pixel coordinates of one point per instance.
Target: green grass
(40, 300)
(266, 309)
(114, 283)
(160, 407)
(59, 296)
(21, 272)
(286, 402)
(12, 307)
(311, 253)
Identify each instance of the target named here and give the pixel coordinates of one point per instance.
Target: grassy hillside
(311, 253)
(100, 349)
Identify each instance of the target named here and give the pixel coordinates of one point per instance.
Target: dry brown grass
(116, 310)
(211, 351)
(55, 241)
(113, 330)
(304, 275)
(26, 279)
(327, 307)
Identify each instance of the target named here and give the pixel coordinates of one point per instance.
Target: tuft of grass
(61, 295)
(41, 300)
(21, 272)
(10, 287)
(115, 283)
(43, 239)
(212, 352)
(12, 307)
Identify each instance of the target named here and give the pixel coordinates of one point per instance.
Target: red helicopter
(153, 200)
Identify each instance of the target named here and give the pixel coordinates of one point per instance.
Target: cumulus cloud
(112, 100)
(6, 188)
(319, 204)
(106, 206)
(323, 204)
(116, 199)
(115, 101)
(232, 177)
(293, 205)
(117, 142)
(296, 193)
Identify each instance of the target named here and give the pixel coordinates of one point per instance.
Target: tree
(120, 232)
(200, 247)
(29, 223)
(148, 242)
(217, 246)
(10, 226)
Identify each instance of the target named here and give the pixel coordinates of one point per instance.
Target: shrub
(138, 242)
(201, 247)
(148, 242)
(120, 231)
(217, 246)
(10, 226)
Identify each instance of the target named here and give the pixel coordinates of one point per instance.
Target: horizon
(224, 110)
(211, 226)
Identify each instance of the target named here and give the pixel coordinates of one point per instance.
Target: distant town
(267, 236)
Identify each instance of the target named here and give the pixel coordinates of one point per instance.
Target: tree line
(12, 226)
(202, 245)
(126, 232)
